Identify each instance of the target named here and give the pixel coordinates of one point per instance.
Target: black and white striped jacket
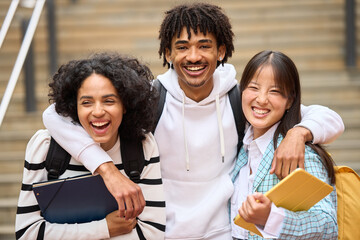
(31, 225)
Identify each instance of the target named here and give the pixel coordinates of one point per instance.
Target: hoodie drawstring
(184, 132)
(221, 130)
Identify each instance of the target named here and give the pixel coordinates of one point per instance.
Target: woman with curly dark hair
(131, 80)
(109, 95)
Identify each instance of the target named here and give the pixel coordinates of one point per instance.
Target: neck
(110, 144)
(197, 93)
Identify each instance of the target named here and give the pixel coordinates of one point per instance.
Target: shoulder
(40, 136)
(311, 155)
(314, 164)
(38, 145)
(150, 146)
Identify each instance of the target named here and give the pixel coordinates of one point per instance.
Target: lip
(100, 127)
(260, 112)
(195, 70)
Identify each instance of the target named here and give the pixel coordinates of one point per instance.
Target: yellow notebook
(299, 191)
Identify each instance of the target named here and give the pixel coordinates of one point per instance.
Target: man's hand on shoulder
(289, 155)
(127, 193)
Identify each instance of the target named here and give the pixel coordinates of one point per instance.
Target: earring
(220, 59)
(170, 64)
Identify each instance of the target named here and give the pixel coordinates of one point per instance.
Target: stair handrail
(8, 18)
(21, 57)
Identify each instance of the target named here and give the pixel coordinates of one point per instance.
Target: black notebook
(78, 199)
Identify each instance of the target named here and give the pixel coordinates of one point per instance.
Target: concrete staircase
(311, 32)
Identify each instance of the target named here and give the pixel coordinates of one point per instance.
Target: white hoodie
(192, 142)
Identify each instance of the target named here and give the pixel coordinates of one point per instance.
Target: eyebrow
(181, 42)
(85, 97)
(205, 41)
(253, 82)
(200, 41)
(105, 96)
(273, 86)
(110, 95)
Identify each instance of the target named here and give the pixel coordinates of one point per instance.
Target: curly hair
(131, 79)
(204, 17)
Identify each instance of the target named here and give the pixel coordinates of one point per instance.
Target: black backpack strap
(162, 95)
(132, 155)
(235, 102)
(57, 160)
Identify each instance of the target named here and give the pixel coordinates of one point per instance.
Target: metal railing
(350, 33)
(9, 16)
(22, 52)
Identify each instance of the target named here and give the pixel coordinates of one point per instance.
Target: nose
(193, 55)
(98, 110)
(262, 98)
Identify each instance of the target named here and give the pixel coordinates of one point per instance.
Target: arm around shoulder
(74, 139)
(325, 124)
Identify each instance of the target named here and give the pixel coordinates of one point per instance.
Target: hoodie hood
(223, 77)
(224, 80)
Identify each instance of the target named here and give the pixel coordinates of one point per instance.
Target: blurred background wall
(312, 32)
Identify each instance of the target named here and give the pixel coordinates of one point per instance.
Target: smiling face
(100, 110)
(263, 102)
(195, 61)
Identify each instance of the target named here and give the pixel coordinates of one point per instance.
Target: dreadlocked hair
(202, 17)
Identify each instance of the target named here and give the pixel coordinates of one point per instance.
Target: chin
(196, 85)
(100, 140)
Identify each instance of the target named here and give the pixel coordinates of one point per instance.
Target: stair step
(10, 185)
(14, 140)
(8, 202)
(7, 232)
(8, 208)
(11, 162)
(17, 103)
(31, 120)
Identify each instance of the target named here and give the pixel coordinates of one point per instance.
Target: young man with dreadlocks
(196, 133)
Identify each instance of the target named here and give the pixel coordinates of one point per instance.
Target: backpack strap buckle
(135, 176)
(53, 174)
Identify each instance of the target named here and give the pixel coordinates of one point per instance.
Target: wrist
(106, 169)
(302, 132)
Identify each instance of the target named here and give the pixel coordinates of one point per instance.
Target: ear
(168, 55)
(221, 52)
(123, 107)
(289, 104)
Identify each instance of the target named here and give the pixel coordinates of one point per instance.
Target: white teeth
(194, 68)
(99, 124)
(258, 111)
